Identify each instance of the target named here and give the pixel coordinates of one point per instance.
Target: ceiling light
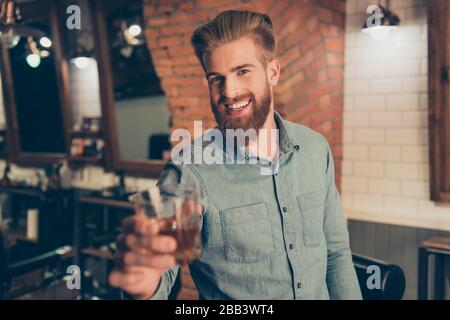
(45, 42)
(44, 53)
(10, 27)
(33, 60)
(381, 22)
(134, 30)
(82, 62)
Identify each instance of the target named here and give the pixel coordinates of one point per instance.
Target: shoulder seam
(200, 181)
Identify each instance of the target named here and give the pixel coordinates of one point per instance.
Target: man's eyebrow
(209, 74)
(247, 65)
(234, 69)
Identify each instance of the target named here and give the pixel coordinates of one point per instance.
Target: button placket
(288, 219)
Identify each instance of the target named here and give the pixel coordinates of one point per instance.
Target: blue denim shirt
(280, 236)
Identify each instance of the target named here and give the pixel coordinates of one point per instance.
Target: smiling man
(278, 236)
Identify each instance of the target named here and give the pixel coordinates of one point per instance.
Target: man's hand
(142, 257)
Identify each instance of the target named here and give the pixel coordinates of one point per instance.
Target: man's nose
(230, 89)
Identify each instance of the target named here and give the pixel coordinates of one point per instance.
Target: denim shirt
(279, 236)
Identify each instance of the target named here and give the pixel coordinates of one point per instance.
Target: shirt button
(291, 246)
(299, 285)
(284, 209)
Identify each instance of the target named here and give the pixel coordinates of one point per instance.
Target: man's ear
(273, 72)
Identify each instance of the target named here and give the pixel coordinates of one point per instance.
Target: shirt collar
(286, 143)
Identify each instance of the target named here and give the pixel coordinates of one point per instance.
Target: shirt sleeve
(174, 174)
(341, 276)
(166, 284)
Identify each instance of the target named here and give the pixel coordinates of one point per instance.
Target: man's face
(240, 86)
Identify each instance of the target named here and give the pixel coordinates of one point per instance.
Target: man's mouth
(238, 105)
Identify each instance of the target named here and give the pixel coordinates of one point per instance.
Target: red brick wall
(310, 48)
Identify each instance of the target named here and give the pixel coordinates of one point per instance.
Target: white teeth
(237, 106)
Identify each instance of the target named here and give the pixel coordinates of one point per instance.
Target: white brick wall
(385, 166)
(86, 102)
(85, 91)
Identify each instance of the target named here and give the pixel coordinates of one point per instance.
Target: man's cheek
(214, 93)
(214, 98)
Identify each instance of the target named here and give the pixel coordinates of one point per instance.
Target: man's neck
(267, 143)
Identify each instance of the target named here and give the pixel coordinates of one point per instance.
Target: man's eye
(243, 71)
(215, 80)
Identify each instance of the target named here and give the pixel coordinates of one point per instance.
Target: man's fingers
(140, 225)
(124, 280)
(126, 242)
(163, 244)
(156, 244)
(199, 209)
(133, 259)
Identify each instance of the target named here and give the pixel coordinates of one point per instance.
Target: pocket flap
(311, 199)
(245, 213)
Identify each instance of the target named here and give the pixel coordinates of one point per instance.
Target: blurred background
(91, 91)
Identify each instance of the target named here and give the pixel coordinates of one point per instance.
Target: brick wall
(385, 174)
(311, 46)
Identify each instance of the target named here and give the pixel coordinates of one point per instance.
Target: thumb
(200, 209)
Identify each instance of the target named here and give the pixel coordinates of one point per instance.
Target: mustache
(223, 99)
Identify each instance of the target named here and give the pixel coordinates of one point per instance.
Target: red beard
(255, 120)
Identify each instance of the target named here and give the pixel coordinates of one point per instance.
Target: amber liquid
(187, 239)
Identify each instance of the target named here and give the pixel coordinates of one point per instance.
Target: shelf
(26, 191)
(98, 253)
(19, 234)
(106, 202)
(86, 158)
(87, 134)
(77, 160)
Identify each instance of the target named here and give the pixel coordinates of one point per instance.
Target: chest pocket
(312, 206)
(247, 233)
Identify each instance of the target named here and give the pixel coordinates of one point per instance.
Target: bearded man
(265, 236)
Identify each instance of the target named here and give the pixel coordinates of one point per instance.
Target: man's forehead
(228, 57)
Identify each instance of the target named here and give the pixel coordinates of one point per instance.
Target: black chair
(392, 279)
(157, 144)
(8, 272)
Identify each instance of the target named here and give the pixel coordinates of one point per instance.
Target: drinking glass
(174, 207)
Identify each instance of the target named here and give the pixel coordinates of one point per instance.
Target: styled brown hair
(232, 25)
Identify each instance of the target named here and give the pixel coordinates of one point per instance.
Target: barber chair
(157, 144)
(50, 260)
(392, 279)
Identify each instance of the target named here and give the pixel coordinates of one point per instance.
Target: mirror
(3, 130)
(137, 118)
(35, 87)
